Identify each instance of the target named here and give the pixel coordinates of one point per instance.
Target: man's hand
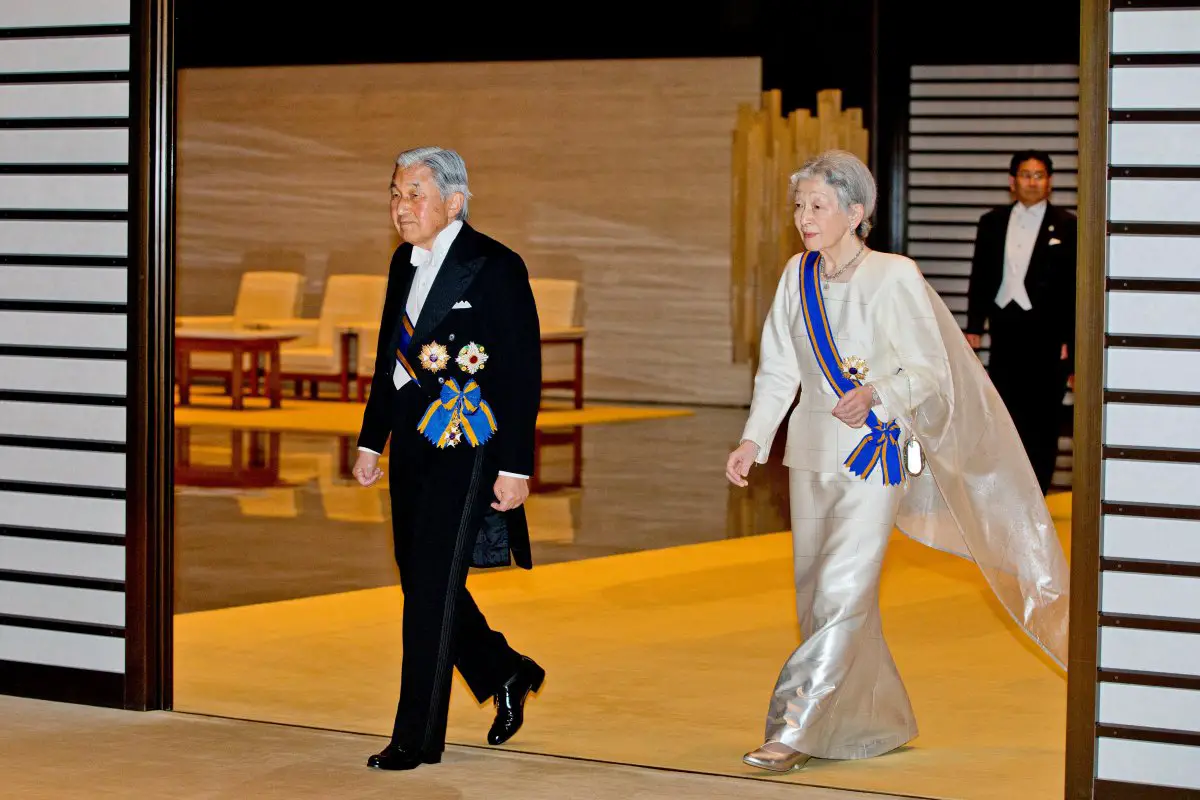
(366, 469)
(854, 406)
(510, 492)
(975, 340)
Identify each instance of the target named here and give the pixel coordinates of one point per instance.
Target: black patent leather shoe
(395, 757)
(510, 700)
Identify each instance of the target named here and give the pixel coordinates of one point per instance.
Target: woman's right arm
(778, 376)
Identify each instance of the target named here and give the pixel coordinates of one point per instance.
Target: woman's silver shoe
(777, 757)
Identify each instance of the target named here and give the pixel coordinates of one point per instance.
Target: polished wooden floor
(52, 751)
(661, 606)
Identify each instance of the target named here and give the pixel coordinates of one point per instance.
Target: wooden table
(259, 471)
(237, 342)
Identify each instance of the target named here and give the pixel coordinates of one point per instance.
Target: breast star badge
(472, 358)
(434, 357)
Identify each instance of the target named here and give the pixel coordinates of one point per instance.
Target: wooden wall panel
(614, 173)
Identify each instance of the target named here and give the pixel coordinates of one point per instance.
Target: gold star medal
(434, 357)
(855, 369)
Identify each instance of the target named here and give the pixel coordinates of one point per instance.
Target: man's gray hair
(848, 176)
(448, 168)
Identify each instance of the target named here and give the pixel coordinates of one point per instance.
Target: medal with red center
(472, 358)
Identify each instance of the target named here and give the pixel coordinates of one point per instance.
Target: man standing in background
(1023, 288)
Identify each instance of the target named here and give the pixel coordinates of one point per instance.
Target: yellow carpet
(666, 658)
(346, 418)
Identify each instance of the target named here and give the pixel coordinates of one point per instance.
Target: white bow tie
(421, 257)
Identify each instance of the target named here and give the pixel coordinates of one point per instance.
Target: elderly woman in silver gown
(897, 425)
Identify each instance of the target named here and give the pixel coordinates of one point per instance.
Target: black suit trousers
(1025, 365)
(438, 500)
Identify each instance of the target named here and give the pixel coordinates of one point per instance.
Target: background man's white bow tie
(421, 257)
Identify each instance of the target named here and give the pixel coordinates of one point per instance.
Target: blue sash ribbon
(881, 446)
(406, 334)
(456, 414)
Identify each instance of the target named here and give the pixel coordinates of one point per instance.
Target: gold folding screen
(767, 149)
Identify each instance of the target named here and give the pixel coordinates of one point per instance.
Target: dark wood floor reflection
(274, 516)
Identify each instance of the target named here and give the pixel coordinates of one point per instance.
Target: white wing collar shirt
(427, 262)
(1023, 226)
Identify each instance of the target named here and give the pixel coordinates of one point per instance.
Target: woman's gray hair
(448, 168)
(848, 176)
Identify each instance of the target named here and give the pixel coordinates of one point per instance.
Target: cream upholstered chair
(264, 298)
(560, 313)
(351, 302)
(368, 342)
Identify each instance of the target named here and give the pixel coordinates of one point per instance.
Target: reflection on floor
(662, 625)
(264, 516)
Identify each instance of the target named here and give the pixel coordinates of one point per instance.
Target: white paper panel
(63, 13)
(1175, 596)
(946, 267)
(1151, 539)
(1154, 200)
(927, 72)
(78, 559)
(949, 285)
(61, 512)
(961, 233)
(972, 197)
(984, 180)
(77, 54)
(943, 214)
(1153, 763)
(64, 284)
(1154, 313)
(1150, 651)
(62, 603)
(64, 467)
(1064, 89)
(917, 250)
(1005, 144)
(65, 192)
(997, 162)
(1154, 143)
(52, 329)
(986, 126)
(993, 108)
(89, 423)
(982, 197)
(64, 238)
(1157, 31)
(1153, 256)
(58, 649)
(1135, 425)
(1149, 707)
(1163, 482)
(1152, 370)
(68, 375)
(66, 100)
(1154, 87)
(69, 146)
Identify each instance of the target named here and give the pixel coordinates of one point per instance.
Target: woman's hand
(854, 406)
(740, 461)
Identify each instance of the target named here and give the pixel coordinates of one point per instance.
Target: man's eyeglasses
(1032, 176)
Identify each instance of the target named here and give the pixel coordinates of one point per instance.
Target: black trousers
(438, 498)
(1025, 365)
